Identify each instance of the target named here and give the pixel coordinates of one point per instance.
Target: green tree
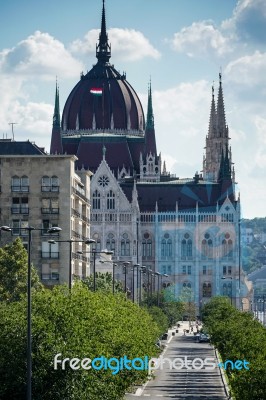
(237, 336)
(80, 324)
(14, 272)
(104, 282)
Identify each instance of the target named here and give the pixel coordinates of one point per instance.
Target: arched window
(166, 246)
(227, 246)
(96, 200)
(20, 184)
(110, 200)
(24, 183)
(206, 289)
(186, 247)
(187, 285)
(207, 246)
(110, 243)
(146, 245)
(54, 184)
(125, 245)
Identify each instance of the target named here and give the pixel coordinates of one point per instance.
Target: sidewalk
(192, 384)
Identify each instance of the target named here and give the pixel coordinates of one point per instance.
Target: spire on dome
(212, 122)
(103, 49)
(150, 116)
(221, 122)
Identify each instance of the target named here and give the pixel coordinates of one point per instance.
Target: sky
(181, 45)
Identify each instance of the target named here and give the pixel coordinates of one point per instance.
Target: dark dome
(118, 108)
(122, 108)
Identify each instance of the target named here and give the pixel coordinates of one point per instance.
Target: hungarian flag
(96, 91)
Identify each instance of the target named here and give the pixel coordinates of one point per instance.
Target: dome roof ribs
(103, 49)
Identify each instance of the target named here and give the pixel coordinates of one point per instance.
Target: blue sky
(181, 44)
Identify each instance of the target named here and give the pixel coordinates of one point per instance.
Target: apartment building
(43, 191)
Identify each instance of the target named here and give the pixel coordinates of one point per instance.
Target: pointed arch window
(227, 246)
(207, 247)
(206, 289)
(166, 246)
(146, 245)
(186, 247)
(110, 200)
(125, 245)
(110, 243)
(96, 200)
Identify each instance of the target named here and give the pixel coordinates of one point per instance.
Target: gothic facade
(186, 229)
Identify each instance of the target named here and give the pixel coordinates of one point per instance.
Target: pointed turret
(150, 116)
(56, 141)
(212, 123)
(149, 131)
(103, 49)
(221, 122)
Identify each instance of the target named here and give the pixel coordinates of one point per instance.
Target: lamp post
(70, 241)
(125, 264)
(54, 229)
(133, 284)
(231, 292)
(158, 287)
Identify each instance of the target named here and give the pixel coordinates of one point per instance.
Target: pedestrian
(184, 330)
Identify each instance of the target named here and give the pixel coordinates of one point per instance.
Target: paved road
(183, 383)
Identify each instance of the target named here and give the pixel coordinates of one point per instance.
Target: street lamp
(70, 241)
(231, 292)
(54, 229)
(158, 288)
(94, 252)
(133, 285)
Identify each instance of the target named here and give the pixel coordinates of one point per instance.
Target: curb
(222, 373)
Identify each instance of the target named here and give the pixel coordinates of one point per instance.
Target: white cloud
(201, 38)
(40, 55)
(248, 70)
(127, 44)
(248, 20)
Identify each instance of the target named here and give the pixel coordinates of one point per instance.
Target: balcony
(20, 188)
(50, 188)
(50, 210)
(20, 210)
(50, 277)
(50, 254)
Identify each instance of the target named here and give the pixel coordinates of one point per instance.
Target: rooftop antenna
(12, 127)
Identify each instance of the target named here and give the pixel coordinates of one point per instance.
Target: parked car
(204, 337)
(164, 336)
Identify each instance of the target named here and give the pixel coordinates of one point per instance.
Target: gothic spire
(149, 131)
(56, 141)
(103, 49)
(150, 116)
(212, 122)
(56, 117)
(221, 122)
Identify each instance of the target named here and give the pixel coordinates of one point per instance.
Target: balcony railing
(50, 210)
(50, 254)
(20, 210)
(20, 188)
(50, 188)
(50, 277)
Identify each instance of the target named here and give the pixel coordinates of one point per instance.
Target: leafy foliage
(104, 282)
(78, 324)
(14, 272)
(238, 336)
